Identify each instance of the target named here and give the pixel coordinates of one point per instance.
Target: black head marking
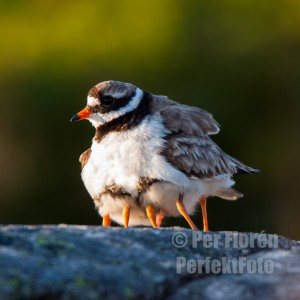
(127, 121)
(111, 96)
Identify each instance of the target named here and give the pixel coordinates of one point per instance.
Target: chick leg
(159, 219)
(151, 215)
(182, 210)
(106, 220)
(126, 214)
(204, 213)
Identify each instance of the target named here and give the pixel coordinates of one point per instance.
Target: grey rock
(89, 262)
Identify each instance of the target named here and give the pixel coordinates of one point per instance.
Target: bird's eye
(107, 100)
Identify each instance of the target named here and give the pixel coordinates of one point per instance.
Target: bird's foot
(106, 220)
(151, 215)
(182, 210)
(159, 219)
(126, 214)
(204, 213)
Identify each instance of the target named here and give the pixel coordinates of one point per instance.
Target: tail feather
(241, 168)
(228, 194)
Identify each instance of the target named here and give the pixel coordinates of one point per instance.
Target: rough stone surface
(87, 262)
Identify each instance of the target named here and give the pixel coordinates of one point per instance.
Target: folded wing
(183, 118)
(201, 157)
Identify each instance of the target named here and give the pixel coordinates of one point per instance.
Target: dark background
(239, 60)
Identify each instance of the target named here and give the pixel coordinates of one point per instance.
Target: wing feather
(184, 118)
(188, 147)
(200, 157)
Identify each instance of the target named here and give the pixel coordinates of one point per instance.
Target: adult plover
(152, 157)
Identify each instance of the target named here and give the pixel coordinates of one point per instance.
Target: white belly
(122, 158)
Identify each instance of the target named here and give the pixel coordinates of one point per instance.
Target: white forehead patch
(100, 119)
(92, 101)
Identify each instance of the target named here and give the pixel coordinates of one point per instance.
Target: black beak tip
(75, 118)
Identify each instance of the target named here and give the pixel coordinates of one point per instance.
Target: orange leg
(151, 215)
(204, 213)
(106, 220)
(182, 210)
(126, 213)
(159, 218)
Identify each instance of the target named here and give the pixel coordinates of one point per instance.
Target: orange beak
(83, 114)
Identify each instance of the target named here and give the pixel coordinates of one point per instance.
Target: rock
(88, 262)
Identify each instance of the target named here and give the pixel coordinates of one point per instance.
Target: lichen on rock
(89, 262)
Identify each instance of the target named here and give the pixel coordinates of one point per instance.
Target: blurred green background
(239, 60)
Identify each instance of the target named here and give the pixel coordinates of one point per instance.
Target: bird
(152, 157)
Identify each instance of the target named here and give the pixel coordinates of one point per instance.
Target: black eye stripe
(121, 102)
(106, 100)
(128, 120)
(107, 103)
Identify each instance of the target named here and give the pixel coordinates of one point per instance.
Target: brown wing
(183, 118)
(84, 157)
(200, 157)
